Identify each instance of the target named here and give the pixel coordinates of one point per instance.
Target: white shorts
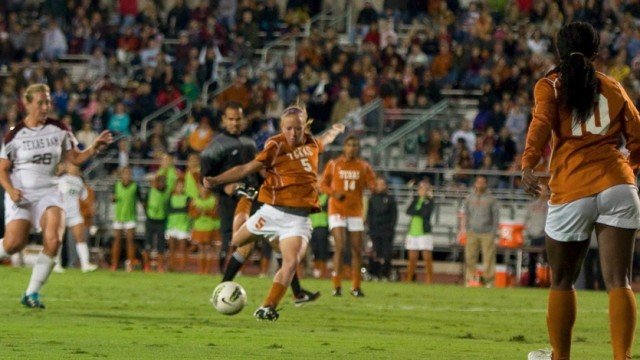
(73, 217)
(617, 206)
(118, 225)
(421, 242)
(273, 223)
(176, 234)
(33, 206)
(352, 223)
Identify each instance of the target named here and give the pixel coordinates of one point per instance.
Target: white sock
(58, 259)
(83, 254)
(238, 257)
(3, 253)
(41, 271)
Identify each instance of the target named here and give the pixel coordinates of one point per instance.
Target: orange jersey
(292, 173)
(350, 177)
(585, 157)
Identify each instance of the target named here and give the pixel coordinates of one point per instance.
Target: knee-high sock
(58, 258)
(622, 318)
(275, 295)
(41, 271)
(3, 253)
(295, 281)
(561, 315)
(235, 263)
(83, 254)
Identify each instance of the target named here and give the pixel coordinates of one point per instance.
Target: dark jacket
(424, 212)
(382, 214)
(226, 151)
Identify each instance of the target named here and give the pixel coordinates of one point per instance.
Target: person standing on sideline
(593, 186)
(344, 180)
(156, 210)
(320, 238)
(481, 216)
(226, 150)
(204, 231)
(289, 194)
(419, 238)
(178, 227)
(382, 216)
(126, 195)
(534, 220)
(30, 152)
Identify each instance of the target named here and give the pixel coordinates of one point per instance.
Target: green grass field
(168, 316)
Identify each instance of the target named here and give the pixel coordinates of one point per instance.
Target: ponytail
(577, 43)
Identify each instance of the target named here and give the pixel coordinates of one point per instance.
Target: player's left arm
(330, 135)
(370, 177)
(78, 157)
(631, 129)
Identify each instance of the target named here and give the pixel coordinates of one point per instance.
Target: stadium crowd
(143, 55)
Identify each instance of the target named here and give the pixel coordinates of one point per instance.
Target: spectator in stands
(86, 135)
(343, 106)
(382, 216)
(535, 218)
(366, 17)
(201, 135)
(505, 149)
(481, 218)
(227, 13)
(238, 92)
(54, 43)
(269, 18)
(119, 121)
(465, 132)
(178, 17)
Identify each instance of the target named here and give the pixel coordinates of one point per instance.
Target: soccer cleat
(248, 192)
(357, 293)
(541, 354)
(306, 297)
(58, 269)
(266, 313)
(89, 268)
(32, 301)
(337, 291)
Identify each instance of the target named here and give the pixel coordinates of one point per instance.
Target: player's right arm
(544, 111)
(5, 181)
(236, 173)
(631, 130)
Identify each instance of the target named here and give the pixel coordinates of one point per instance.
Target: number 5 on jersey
(306, 165)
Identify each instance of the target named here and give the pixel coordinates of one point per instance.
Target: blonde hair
(35, 89)
(298, 109)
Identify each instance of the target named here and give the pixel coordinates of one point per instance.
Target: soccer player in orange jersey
(586, 114)
(289, 193)
(344, 180)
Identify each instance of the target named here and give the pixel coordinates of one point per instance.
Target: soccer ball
(229, 298)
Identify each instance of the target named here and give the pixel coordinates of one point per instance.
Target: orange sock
(561, 315)
(622, 321)
(411, 269)
(336, 280)
(275, 295)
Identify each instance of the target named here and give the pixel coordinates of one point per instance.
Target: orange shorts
(205, 237)
(243, 207)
